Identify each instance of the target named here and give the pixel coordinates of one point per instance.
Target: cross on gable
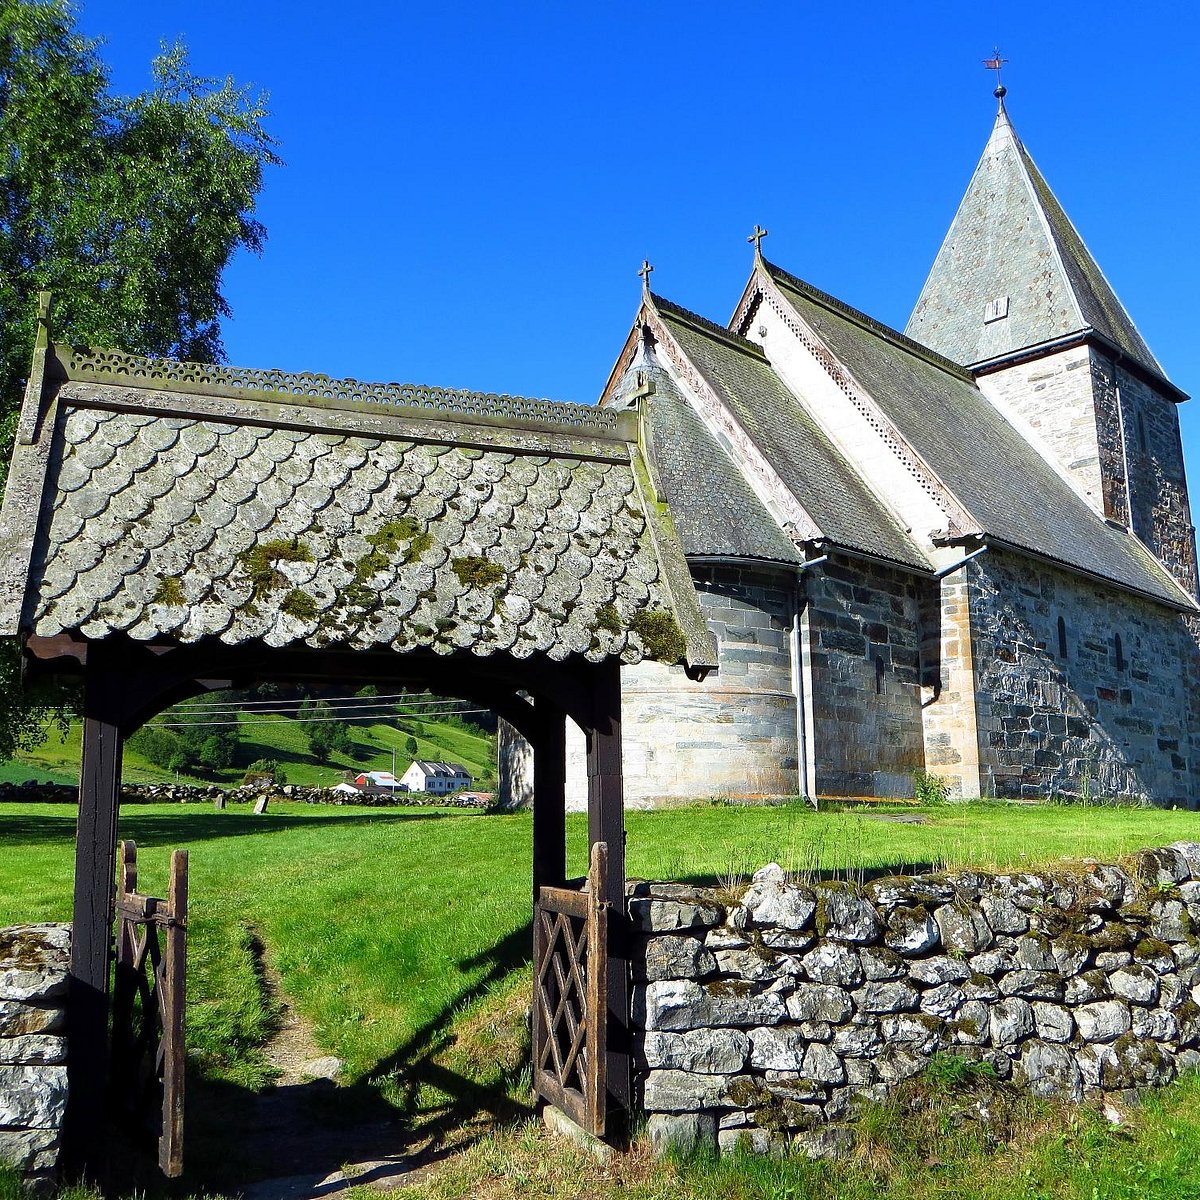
(645, 273)
(756, 237)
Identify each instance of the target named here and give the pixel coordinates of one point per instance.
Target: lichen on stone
(300, 605)
(262, 562)
(608, 618)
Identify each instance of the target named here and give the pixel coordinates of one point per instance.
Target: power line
(397, 696)
(290, 721)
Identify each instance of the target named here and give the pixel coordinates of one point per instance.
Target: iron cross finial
(645, 273)
(756, 237)
(996, 63)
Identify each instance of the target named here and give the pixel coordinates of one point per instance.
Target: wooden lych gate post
(149, 990)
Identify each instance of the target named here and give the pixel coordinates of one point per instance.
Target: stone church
(964, 549)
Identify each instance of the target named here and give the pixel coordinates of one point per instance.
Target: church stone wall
(734, 735)
(1053, 397)
(1158, 507)
(864, 643)
(1098, 706)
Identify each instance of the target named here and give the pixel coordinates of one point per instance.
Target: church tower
(1015, 295)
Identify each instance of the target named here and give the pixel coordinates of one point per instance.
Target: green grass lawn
(391, 928)
(372, 743)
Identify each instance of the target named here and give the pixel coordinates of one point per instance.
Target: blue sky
(470, 189)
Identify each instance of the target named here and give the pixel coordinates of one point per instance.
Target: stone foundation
(766, 1014)
(33, 1047)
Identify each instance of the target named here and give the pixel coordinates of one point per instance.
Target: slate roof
(843, 507)
(717, 514)
(1011, 239)
(1013, 494)
(182, 502)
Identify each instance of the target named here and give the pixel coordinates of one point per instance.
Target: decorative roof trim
(959, 518)
(84, 364)
(771, 489)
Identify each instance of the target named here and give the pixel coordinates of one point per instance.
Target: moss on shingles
(608, 618)
(476, 572)
(300, 605)
(170, 591)
(662, 638)
(262, 562)
(386, 543)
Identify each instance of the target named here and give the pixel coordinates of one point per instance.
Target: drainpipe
(942, 572)
(798, 678)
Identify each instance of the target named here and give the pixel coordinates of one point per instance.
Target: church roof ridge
(871, 324)
(1013, 273)
(704, 325)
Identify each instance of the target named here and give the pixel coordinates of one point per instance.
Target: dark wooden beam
(549, 799)
(91, 935)
(606, 823)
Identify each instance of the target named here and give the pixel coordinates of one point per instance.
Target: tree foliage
(326, 735)
(128, 208)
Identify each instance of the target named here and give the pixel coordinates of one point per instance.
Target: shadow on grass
(857, 875)
(412, 1110)
(182, 827)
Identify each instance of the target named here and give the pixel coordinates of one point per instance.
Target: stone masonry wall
(1110, 715)
(769, 1013)
(863, 645)
(33, 1048)
(732, 735)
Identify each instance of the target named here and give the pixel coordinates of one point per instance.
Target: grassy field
(403, 936)
(372, 743)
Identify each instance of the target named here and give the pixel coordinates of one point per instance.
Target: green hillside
(372, 743)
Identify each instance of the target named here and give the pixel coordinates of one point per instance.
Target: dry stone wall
(767, 1014)
(33, 1048)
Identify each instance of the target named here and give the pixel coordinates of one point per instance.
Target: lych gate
(169, 528)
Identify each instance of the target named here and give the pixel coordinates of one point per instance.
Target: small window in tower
(1119, 652)
(1141, 433)
(1062, 638)
(878, 674)
(995, 310)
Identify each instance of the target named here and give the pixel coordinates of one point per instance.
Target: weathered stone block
(1103, 1021)
(670, 957)
(971, 1026)
(1010, 1021)
(18, 1019)
(831, 1142)
(755, 963)
(1135, 983)
(1033, 985)
(916, 1030)
(962, 927)
(891, 997)
(993, 962)
(938, 970)
(1190, 853)
(1050, 1069)
(833, 963)
(33, 1048)
(823, 1064)
(911, 931)
(1070, 953)
(30, 1151)
(1157, 1024)
(899, 1062)
(33, 1097)
(681, 1133)
(1165, 865)
(1003, 915)
(845, 916)
(856, 1039)
(780, 1048)
(819, 1002)
(772, 902)
(682, 1091)
(703, 1051)
(1034, 952)
(658, 913)
(1054, 1023)
(1170, 921)
(943, 1001)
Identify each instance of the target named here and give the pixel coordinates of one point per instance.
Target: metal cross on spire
(756, 237)
(996, 63)
(645, 273)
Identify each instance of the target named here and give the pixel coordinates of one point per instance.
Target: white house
(436, 777)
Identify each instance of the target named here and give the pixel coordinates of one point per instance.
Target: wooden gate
(148, 1007)
(570, 1005)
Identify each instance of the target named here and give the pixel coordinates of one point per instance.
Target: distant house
(379, 781)
(437, 777)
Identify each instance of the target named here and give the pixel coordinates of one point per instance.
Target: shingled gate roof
(1009, 489)
(1010, 241)
(178, 502)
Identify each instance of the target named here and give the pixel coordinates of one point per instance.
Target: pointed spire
(1013, 273)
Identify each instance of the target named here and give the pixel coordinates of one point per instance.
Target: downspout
(942, 572)
(798, 693)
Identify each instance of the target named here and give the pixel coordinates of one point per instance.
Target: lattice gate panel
(148, 1007)
(570, 996)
